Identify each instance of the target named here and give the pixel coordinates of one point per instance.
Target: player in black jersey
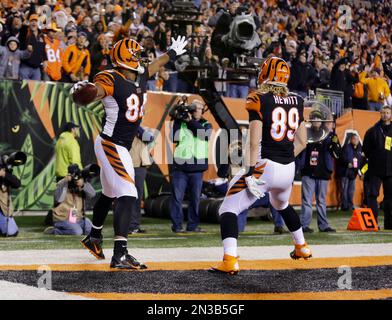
(276, 126)
(123, 94)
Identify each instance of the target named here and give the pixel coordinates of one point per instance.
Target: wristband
(172, 54)
(250, 171)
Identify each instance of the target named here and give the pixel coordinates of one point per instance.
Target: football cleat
(94, 246)
(301, 251)
(229, 265)
(126, 262)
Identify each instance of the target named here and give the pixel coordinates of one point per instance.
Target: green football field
(257, 233)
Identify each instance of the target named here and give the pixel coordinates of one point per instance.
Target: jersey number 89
(284, 123)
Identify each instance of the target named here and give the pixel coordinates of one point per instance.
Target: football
(85, 94)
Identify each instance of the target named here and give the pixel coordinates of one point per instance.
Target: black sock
(291, 218)
(229, 225)
(96, 233)
(122, 215)
(100, 212)
(120, 248)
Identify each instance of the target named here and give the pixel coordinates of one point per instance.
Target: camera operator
(234, 40)
(69, 215)
(8, 226)
(190, 134)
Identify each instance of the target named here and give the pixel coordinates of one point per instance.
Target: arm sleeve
(200, 130)
(362, 78)
(66, 65)
(175, 132)
(87, 68)
(89, 190)
(366, 144)
(253, 106)
(61, 190)
(24, 54)
(12, 180)
(106, 81)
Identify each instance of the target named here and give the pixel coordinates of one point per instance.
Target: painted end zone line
(275, 264)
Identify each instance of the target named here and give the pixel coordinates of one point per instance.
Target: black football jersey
(281, 117)
(124, 105)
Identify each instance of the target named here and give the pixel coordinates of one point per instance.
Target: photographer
(190, 134)
(8, 226)
(71, 193)
(316, 165)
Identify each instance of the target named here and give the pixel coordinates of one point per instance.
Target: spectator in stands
(87, 28)
(10, 58)
(100, 55)
(347, 171)
(378, 89)
(12, 27)
(30, 69)
(54, 53)
(302, 75)
(150, 54)
(342, 80)
(323, 74)
(360, 94)
(76, 61)
(377, 147)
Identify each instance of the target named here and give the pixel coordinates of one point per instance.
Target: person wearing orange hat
(118, 10)
(76, 60)
(30, 68)
(54, 52)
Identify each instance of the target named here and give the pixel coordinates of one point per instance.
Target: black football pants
(372, 192)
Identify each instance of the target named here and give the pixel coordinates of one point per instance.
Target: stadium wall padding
(33, 113)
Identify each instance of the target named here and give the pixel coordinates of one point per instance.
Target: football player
(276, 135)
(123, 94)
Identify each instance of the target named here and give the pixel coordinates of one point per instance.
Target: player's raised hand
(178, 45)
(254, 186)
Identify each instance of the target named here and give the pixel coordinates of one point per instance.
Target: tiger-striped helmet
(274, 71)
(126, 53)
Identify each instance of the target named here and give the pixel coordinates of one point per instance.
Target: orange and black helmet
(274, 71)
(126, 53)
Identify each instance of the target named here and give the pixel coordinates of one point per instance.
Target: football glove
(78, 85)
(253, 185)
(179, 45)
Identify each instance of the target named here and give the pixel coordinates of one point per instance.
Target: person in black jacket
(190, 134)
(377, 147)
(347, 170)
(302, 75)
(343, 80)
(30, 68)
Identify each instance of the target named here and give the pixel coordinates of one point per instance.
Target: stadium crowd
(349, 51)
